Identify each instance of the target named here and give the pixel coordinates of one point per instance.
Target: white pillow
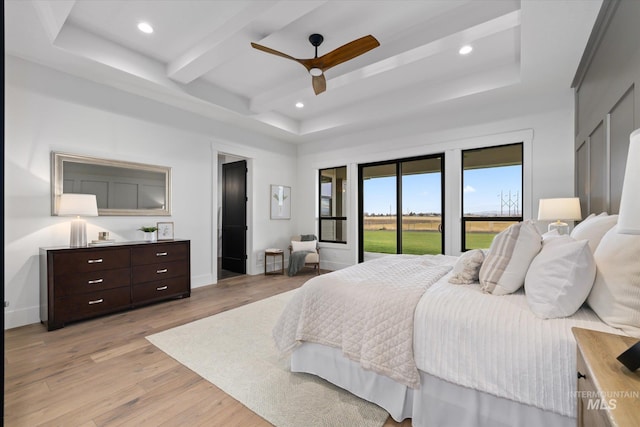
(467, 267)
(593, 228)
(309, 246)
(505, 266)
(615, 296)
(560, 277)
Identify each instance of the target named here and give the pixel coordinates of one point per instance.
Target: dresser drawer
(92, 304)
(161, 252)
(82, 283)
(160, 289)
(80, 261)
(159, 271)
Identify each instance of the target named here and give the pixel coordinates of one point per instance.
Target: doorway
(232, 218)
(401, 207)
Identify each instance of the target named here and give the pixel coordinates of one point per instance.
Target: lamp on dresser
(78, 205)
(558, 210)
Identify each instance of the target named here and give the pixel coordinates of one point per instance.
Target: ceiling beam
(234, 36)
(53, 15)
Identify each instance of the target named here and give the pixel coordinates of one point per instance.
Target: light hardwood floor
(104, 372)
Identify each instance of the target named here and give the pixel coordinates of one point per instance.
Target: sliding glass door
(400, 204)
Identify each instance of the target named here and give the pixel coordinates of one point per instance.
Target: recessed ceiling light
(299, 105)
(145, 27)
(465, 50)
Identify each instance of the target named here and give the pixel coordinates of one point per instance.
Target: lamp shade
(78, 205)
(629, 216)
(567, 208)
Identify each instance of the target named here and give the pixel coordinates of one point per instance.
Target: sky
(421, 193)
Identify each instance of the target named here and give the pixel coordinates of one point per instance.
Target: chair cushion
(303, 246)
(311, 258)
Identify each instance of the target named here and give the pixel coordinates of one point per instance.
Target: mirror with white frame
(121, 188)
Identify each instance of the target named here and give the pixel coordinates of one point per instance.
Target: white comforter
(495, 344)
(367, 311)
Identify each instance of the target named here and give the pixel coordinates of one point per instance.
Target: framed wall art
(280, 202)
(165, 231)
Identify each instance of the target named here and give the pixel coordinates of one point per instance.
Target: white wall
(50, 111)
(548, 171)
(47, 110)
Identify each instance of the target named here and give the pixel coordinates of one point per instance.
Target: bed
(480, 359)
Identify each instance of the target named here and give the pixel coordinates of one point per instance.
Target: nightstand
(608, 394)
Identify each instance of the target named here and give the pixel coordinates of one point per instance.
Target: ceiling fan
(317, 66)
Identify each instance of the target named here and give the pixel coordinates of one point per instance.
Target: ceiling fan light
(315, 72)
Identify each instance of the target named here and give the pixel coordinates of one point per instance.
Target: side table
(271, 252)
(608, 394)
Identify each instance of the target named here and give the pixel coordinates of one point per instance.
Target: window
(401, 207)
(333, 206)
(491, 193)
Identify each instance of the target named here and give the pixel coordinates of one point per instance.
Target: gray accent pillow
(511, 252)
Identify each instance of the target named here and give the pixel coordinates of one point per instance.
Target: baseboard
(21, 317)
(202, 280)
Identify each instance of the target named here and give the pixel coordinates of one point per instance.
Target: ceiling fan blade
(346, 52)
(273, 51)
(319, 84)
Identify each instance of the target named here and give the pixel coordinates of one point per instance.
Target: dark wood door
(234, 216)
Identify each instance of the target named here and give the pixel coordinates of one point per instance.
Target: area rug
(234, 350)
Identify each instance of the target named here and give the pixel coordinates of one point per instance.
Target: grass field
(417, 242)
(421, 236)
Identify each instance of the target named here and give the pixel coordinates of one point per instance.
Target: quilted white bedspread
(495, 344)
(366, 310)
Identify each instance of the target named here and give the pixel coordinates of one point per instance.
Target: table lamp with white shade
(78, 205)
(629, 215)
(629, 223)
(558, 210)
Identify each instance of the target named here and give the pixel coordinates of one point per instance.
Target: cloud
(469, 189)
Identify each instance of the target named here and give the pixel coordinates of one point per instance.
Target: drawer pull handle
(162, 254)
(581, 375)
(94, 261)
(164, 270)
(96, 301)
(162, 288)
(93, 282)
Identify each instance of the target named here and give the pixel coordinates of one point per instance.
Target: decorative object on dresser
(78, 205)
(608, 394)
(149, 233)
(77, 284)
(165, 230)
(566, 209)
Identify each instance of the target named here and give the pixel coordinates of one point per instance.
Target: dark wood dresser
(79, 283)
